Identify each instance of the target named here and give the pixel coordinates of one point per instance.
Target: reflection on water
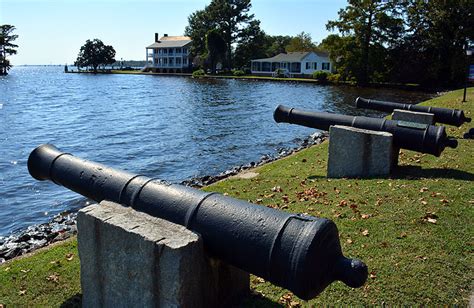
(168, 127)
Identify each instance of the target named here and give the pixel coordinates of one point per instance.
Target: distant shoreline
(410, 87)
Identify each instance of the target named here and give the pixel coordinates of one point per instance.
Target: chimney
(166, 35)
(156, 37)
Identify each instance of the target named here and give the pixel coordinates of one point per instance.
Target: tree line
(401, 41)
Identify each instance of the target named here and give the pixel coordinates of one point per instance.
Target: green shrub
(238, 73)
(334, 78)
(321, 76)
(199, 73)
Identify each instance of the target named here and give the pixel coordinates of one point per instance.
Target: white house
(293, 63)
(169, 54)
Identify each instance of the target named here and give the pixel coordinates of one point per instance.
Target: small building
(294, 64)
(169, 54)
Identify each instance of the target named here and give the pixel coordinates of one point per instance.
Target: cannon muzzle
(417, 137)
(441, 115)
(297, 252)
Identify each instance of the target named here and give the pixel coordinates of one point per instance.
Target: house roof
(291, 56)
(171, 41)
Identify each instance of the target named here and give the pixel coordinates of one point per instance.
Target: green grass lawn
(414, 229)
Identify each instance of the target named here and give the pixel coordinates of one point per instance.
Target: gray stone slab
(413, 116)
(361, 153)
(131, 259)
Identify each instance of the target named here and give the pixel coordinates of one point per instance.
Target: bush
(238, 73)
(199, 73)
(321, 76)
(334, 78)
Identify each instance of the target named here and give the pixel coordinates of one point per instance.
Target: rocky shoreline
(63, 225)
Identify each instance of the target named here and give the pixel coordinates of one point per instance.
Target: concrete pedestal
(361, 153)
(412, 116)
(131, 259)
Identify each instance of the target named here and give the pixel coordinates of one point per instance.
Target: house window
(315, 65)
(308, 65)
(325, 66)
(171, 62)
(185, 50)
(165, 51)
(178, 61)
(266, 67)
(165, 61)
(185, 61)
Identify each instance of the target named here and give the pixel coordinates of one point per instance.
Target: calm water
(168, 127)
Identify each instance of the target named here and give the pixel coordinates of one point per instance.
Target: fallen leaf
(365, 232)
(431, 220)
(277, 189)
(53, 278)
(424, 202)
(423, 189)
(22, 292)
(373, 275)
(258, 201)
(444, 201)
(25, 270)
(285, 198)
(69, 256)
(365, 216)
(342, 203)
(402, 235)
(295, 304)
(7, 268)
(422, 258)
(258, 280)
(349, 241)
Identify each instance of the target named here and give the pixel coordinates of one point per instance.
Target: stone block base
(360, 153)
(412, 116)
(131, 259)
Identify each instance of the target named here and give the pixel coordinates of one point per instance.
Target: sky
(52, 31)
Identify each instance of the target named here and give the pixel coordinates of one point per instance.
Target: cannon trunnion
(417, 137)
(300, 253)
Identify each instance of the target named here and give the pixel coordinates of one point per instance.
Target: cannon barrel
(422, 138)
(441, 115)
(297, 252)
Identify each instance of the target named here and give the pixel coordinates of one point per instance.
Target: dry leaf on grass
(365, 232)
(53, 278)
(373, 275)
(69, 256)
(22, 292)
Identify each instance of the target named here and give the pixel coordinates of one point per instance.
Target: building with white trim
(169, 54)
(295, 64)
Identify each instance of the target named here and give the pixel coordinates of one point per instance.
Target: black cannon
(298, 252)
(406, 135)
(441, 115)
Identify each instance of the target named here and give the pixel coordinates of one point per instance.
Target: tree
(94, 53)
(216, 48)
(301, 42)
(6, 47)
(374, 24)
(432, 52)
(277, 44)
(253, 44)
(229, 17)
